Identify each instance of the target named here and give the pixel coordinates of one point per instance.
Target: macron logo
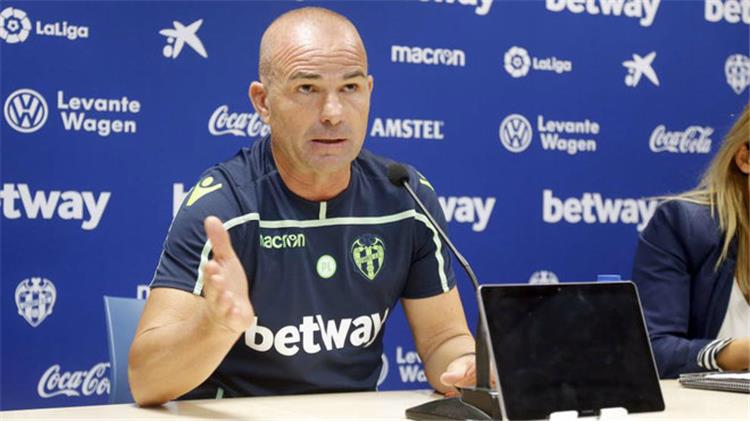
(316, 334)
(591, 208)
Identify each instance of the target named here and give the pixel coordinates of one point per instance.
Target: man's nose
(332, 110)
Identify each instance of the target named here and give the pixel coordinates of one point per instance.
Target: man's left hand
(462, 372)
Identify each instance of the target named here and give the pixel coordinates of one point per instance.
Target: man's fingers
(210, 290)
(212, 268)
(225, 303)
(468, 380)
(458, 379)
(452, 394)
(460, 373)
(449, 378)
(221, 245)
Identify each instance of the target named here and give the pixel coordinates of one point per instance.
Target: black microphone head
(398, 174)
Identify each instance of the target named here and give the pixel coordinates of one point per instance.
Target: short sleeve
(431, 271)
(186, 246)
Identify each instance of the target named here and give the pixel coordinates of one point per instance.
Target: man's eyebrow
(305, 75)
(354, 74)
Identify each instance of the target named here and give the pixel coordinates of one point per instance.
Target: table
(681, 403)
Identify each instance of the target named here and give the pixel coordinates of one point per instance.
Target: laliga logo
(14, 25)
(86, 383)
(517, 62)
(35, 299)
(26, 110)
(515, 133)
(737, 71)
(543, 277)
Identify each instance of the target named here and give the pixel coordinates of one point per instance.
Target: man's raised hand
(225, 283)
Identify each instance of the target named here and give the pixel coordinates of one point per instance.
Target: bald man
(283, 263)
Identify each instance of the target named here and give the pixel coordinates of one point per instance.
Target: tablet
(570, 346)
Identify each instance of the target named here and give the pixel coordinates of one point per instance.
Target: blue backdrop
(545, 126)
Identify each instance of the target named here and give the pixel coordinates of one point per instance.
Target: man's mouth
(329, 141)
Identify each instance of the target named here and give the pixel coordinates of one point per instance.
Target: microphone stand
(477, 403)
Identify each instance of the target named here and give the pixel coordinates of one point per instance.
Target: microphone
(399, 176)
(480, 402)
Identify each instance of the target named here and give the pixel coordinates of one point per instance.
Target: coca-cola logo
(694, 139)
(77, 383)
(222, 122)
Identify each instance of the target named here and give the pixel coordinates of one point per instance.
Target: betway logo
(419, 55)
(731, 11)
(222, 122)
(644, 10)
(482, 7)
(407, 129)
(83, 206)
(468, 210)
(591, 208)
(334, 334)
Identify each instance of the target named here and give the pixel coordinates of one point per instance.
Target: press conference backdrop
(545, 126)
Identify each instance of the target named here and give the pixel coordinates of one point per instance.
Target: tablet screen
(570, 347)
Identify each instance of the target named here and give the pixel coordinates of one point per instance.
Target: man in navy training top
(283, 263)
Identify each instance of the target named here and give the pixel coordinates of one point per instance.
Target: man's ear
(259, 97)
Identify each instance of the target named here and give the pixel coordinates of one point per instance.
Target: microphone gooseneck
(480, 402)
(399, 176)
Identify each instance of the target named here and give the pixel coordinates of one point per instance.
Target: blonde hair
(724, 188)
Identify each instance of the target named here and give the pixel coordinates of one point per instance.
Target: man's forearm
(437, 360)
(169, 361)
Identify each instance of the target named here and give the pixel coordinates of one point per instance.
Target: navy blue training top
(323, 276)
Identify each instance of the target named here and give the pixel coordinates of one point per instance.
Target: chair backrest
(123, 315)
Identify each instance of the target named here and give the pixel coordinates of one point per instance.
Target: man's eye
(351, 87)
(305, 89)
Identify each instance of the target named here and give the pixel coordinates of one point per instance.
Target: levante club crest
(368, 253)
(35, 299)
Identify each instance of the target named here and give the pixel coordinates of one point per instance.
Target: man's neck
(312, 185)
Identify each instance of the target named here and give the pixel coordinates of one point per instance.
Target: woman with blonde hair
(692, 267)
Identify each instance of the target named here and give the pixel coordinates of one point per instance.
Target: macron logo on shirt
(316, 334)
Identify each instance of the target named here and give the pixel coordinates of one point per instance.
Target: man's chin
(332, 158)
(330, 163)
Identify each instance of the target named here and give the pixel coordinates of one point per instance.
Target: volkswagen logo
(26, 110)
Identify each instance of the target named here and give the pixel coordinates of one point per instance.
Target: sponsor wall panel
(545, 129)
